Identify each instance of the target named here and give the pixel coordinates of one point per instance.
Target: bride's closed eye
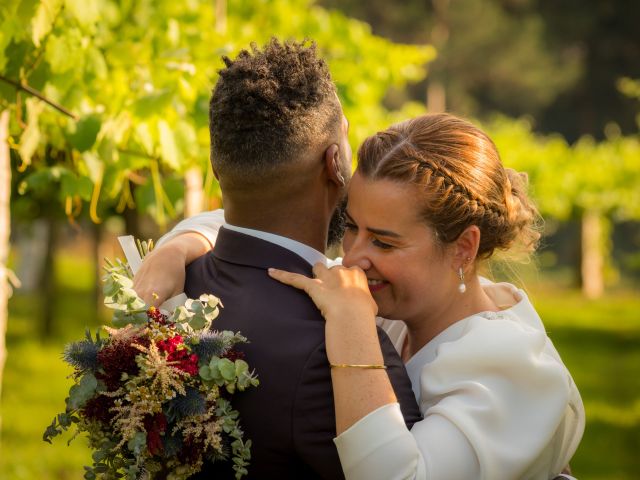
(353, 228)
(382, 245)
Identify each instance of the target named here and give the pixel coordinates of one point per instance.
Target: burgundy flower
(191, 450)
(155, 315)
(118, 358)
(155, 425)
(98, 409)
(233, 355)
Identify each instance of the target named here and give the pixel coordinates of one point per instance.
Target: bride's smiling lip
(376, 284)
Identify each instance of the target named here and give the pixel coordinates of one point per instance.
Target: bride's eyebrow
(377, 231)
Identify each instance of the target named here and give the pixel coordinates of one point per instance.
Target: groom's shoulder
(245, 287)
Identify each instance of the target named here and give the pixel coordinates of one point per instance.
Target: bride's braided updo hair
(461, 178)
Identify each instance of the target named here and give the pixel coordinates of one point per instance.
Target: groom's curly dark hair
(269, 105)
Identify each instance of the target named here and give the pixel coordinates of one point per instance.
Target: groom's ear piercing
(341, 178)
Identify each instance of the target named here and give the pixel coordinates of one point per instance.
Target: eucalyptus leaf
(198, 322)
(227, 369)
(138, 443)
(79, 394)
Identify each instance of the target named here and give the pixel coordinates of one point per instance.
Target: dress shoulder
(503, 385)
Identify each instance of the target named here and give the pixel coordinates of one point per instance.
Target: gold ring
(155, 295)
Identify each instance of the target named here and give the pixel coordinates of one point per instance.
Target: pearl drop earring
(462, 287)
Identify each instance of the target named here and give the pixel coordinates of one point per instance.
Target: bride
(429, 202)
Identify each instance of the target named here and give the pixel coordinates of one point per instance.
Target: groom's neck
(297, 220)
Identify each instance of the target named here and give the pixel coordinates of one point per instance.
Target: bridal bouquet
(154, 394)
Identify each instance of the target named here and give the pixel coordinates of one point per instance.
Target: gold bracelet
(349, 365)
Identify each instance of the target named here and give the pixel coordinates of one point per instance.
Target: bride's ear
(332, 164)
(465, 248)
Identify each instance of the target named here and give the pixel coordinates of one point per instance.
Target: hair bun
(522, 214)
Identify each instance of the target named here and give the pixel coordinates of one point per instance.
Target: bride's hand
(162, 273)
(342, 296)
(338, 292)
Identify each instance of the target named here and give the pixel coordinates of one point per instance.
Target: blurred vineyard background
(103, 130)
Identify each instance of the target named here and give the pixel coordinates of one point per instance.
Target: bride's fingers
(320, 270)
(293, 279)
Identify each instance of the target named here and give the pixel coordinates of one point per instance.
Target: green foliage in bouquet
(153, 396)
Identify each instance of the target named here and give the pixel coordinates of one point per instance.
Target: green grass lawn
(599, 341)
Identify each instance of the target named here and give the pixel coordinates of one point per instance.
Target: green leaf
(30, 138)
(205, 372)
(26, 10)
(145, 137)
(168, 148)
(197, 322)
(29, 141)
(83, 188)
(96, 63)
(152, 104)
(52, 431)
(98, 455)
(227, 369)
(87, 130)
(85, 11)
(210, 300)
(79, 394)
(242, 368)
(138, 443)
(43, 20)
(181, 314)
(63, 52)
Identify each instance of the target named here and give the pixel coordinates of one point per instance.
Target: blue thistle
(172, 445)
(82, 355)
(192, 403)
(214, 456)
(209, 344)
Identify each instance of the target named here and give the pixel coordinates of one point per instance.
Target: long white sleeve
(498, 404)
(379, 446)
(206, 224)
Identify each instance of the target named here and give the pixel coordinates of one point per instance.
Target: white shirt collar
(310, 254)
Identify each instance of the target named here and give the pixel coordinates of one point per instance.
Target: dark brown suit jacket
(290, 417)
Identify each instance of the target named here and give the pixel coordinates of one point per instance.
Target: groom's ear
(332, 164)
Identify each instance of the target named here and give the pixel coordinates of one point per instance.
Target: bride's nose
(356, 255)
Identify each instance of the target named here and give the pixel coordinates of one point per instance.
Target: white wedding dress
(497, 401)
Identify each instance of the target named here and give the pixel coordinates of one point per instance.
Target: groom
(279, 149)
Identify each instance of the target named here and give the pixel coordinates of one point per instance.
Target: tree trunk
(5, 228)
(132, 222)
(193, 192)
(592, 262)
(221, 16)
(48, 280)
(436, 97)
(436, 93)
(96, 234)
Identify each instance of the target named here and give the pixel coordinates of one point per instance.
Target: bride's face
(410, 276)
